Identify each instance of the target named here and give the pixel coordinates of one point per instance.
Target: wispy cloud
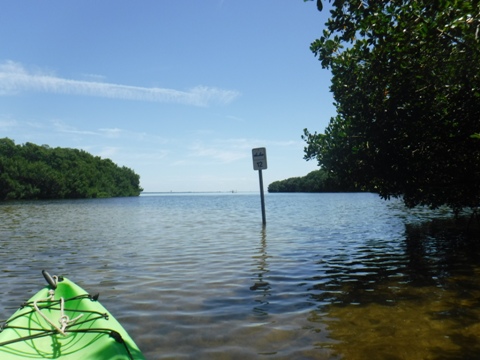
(112, 133)
(15, 78)
(225, 151)
(108, 151)
(122, 135)
(7, 124)
(220, 152)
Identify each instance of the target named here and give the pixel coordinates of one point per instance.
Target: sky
(180, 91)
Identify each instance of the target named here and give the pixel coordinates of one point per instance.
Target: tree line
(406, 84)
(315, 181)
(31, 171)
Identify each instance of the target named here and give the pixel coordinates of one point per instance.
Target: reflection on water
(260, 284)
(419, 303)
(331, 276)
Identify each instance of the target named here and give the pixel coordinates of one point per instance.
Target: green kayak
(62, 321)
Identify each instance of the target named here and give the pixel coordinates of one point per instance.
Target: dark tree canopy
(406, 84)
(30, 171)
(314, 181)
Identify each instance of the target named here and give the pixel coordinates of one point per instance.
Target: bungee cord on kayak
(64, 320)
(38, 318)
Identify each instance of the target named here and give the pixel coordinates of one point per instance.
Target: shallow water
(331, 276)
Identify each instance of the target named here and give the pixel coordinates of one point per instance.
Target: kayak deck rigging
(78, 318)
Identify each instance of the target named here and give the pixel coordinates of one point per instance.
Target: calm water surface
(196, 276)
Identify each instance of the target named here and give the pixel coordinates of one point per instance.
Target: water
(196, 276)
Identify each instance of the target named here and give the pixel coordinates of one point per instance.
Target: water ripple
(197, 276)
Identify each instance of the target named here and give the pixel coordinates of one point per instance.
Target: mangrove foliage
(314, 181)
(31, 171)
(406, 84)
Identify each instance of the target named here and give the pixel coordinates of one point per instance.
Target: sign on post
(259, 156)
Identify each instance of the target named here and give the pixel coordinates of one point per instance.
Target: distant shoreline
(147, 193)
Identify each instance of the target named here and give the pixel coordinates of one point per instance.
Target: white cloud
(7, 124)
(223, 154)
(14, 78)
(64, 128)
(111, 133)
(108, 152)
(94, 77)
(146, 156)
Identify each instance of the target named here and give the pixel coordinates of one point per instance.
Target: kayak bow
(63, 321)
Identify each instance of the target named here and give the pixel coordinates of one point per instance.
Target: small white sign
(259, 156)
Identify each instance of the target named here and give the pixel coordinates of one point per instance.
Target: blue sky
(178, 91)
